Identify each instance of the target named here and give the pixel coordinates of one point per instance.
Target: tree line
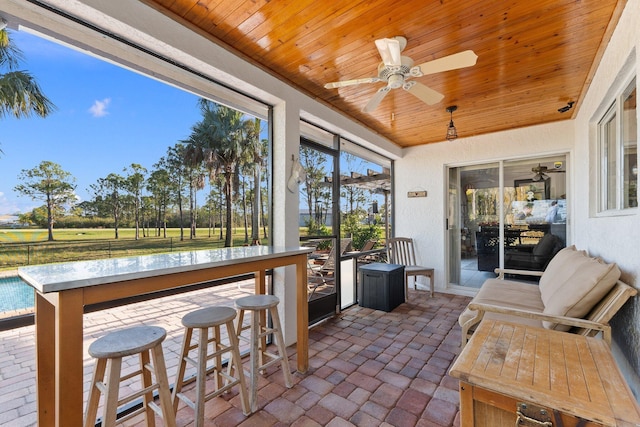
(223, 150)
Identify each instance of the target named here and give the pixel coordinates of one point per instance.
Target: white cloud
(99, 108)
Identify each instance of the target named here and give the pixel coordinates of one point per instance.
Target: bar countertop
(70, 275)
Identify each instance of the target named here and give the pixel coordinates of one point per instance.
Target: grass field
(23, 235)
(20, 247)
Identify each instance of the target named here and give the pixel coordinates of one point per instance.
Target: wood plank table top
(574, 374)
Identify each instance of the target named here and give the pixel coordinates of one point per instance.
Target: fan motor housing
(387, 72)
(395, 81)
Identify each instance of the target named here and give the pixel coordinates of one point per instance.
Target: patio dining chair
(371, 257)
(368, 245)
(321, 277)
(401, 251)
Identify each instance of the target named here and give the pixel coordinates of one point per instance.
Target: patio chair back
(322, 276)
(368, 245)
(401, 251)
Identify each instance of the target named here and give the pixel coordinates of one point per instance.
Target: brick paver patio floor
(367, 367)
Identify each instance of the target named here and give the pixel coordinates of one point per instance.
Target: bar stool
(109, 351)
(259, 305)
(203, 319)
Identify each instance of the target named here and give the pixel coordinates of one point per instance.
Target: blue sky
(107, 117)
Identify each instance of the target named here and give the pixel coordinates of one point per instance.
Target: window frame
(611, 150)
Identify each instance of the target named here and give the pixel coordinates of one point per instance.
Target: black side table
(381, 286)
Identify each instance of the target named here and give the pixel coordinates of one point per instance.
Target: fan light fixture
(452, 133)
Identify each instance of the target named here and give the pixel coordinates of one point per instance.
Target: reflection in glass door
(479, 207)
(519, 224)
(318, 229)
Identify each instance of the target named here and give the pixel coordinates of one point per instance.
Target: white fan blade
(376, 100)
(389, 51)
(451, 62)
(423, 93)
(344, 83)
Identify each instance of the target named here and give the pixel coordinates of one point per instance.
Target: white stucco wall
(614, 238)
(423, 168)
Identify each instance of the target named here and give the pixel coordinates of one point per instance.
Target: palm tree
(20, 94)
(255, 153)
(217, 142)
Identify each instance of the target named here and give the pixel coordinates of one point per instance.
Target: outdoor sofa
(576, 293)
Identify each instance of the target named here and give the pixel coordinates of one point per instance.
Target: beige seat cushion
(507, 293)
(559, 270)
(574, 283)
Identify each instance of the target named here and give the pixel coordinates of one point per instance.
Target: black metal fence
(13, 255)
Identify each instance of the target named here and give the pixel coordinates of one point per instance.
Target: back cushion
(559, 270)
(545, 245)
(590, 281)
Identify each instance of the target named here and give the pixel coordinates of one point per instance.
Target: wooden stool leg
(145, 378)
(262, 314)
(282, 349)
(94, 394)
(255, 356)
(111, 393)
(177, 386)
(160, 368)
(201, 376)
(234, 360)
(219, 379)
(238, 321)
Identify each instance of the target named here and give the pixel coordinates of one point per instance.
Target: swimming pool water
(15, 294)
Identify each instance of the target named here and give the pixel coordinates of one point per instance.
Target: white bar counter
(62, 291)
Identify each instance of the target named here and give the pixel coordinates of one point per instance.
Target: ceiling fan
(542, 171)
(396, 70)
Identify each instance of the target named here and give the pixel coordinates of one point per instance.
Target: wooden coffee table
(512, 372)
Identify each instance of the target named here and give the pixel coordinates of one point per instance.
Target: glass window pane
(630, 148)
(608, 143)
(365, 200)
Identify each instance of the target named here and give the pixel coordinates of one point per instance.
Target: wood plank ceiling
(533, 56)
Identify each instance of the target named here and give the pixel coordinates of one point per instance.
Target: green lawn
(29, 246)
(75, 234)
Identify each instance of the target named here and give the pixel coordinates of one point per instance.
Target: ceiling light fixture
(451, 130)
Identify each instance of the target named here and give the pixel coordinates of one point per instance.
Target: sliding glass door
(319, 227)
(509, 214)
